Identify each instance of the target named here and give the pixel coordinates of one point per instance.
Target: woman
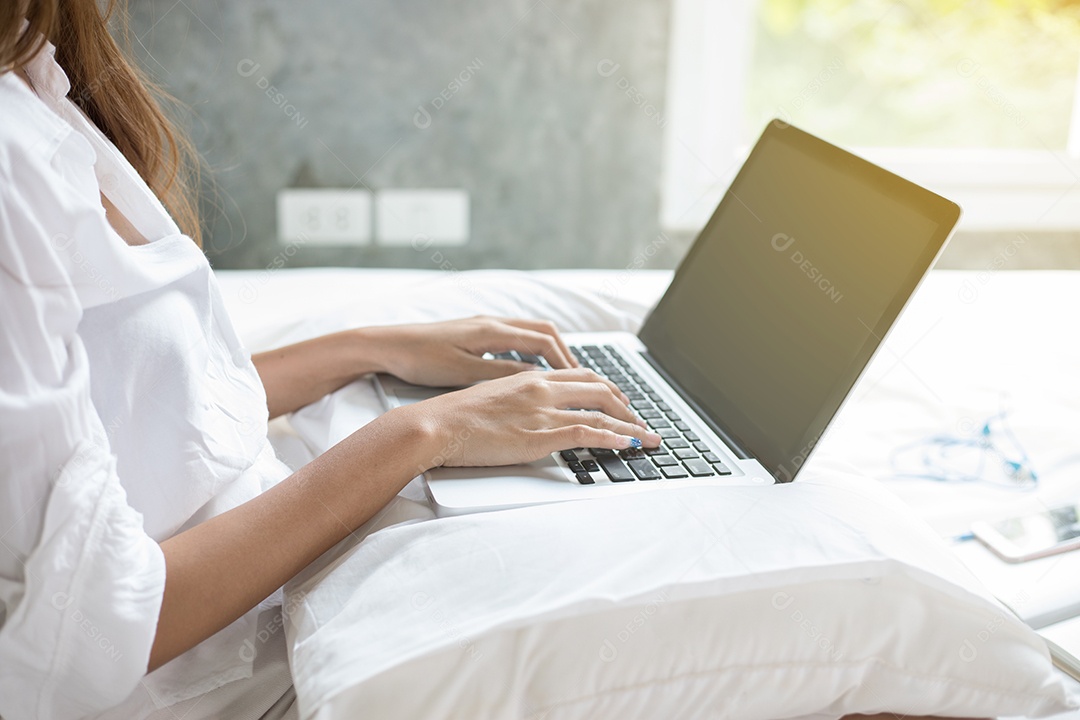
(142, 510)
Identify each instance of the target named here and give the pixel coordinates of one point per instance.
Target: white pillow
(825, 596)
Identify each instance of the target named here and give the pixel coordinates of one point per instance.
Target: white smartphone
(1037, 535)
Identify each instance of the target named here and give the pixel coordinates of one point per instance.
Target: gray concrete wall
(561, 165)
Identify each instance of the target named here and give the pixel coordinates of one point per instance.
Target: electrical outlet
(324, 216)
(422, 217)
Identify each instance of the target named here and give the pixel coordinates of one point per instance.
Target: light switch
(422, 217)
(327, 216)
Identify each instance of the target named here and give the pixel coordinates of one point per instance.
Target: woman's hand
(448, 354)
(444, 354)
(526, 416)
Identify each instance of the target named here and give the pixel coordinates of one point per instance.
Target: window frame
(998, 189)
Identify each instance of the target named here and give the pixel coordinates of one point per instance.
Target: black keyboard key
(644, 469)
(691, 437)
(700, 446)
(668, 432)
(654, 396)
(576, 467)
(682, 426)
(649, 413)
(593, 350)
(584, 479)
(721, 469)
(673, 416)
(711, 457)
(683, 454)
(674, 471)
(601, 452)
(615, 469)
(665, 460)
(663, 406)
(568, 456)
(530, 358)
(656, 451)
(640, 403)
(676, 443)
(631, 453)
(698, 467)
(591, 466)
(657, 423)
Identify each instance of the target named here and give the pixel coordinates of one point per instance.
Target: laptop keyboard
(682, 454)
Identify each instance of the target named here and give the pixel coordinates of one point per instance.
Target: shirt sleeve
(80, 581)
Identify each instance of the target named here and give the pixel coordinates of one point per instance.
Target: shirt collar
(48, 78)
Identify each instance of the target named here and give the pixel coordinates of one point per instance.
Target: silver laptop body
(768, 324)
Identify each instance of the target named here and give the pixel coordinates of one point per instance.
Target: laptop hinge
(727, 437)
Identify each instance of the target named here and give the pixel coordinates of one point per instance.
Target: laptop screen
(788, 290)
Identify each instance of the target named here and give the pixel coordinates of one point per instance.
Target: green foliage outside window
(926, 73)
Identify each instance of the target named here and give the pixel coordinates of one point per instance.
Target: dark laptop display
(789, 289)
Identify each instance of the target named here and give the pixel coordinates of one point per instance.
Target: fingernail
(635, 443)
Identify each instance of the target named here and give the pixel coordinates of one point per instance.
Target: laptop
(767, 325)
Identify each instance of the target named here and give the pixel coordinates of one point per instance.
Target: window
(976, 99)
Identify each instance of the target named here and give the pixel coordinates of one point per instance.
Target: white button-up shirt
(129, 411)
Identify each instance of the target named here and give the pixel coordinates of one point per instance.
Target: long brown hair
(113, 93)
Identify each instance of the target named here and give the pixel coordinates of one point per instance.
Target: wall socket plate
(324, 216)
(422, 217)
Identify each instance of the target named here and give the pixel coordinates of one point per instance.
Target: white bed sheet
(968, 343)
(966, 338)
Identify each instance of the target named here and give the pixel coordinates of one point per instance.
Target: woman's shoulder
(35, 198)
(30, 133)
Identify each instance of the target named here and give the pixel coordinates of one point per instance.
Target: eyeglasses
(991, 455)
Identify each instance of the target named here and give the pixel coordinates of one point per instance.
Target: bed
(970, 346)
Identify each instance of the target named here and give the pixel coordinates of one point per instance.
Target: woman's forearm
(298, 375)
(218, 570)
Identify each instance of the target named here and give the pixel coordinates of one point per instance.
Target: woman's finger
(602, 421)
(528, 341)
(593, 396)
(548, 328)
(582, 435)
(479, 369)
(586, 375)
